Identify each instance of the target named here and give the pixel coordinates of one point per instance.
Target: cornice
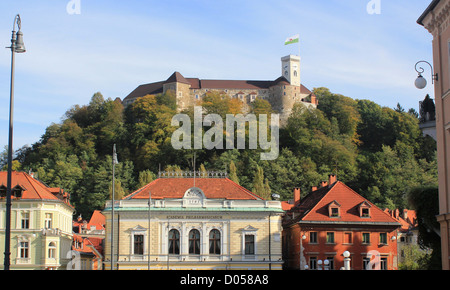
(437, 19)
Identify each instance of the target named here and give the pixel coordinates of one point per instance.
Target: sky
(76, 48)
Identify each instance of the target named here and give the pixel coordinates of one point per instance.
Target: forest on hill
(377, 151)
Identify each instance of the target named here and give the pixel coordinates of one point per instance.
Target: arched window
(214, 242)
(174, 242)
(52, 250)
(194, 242)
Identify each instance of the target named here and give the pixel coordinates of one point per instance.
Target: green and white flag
(292, 39)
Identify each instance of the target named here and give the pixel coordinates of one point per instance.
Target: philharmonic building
(204, 222)
(281, 93)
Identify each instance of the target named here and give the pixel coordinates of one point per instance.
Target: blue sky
(113, 46)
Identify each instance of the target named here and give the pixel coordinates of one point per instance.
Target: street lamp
(17, 46)
(421, 82)
(346, 255)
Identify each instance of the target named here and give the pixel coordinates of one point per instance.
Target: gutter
(428, 10)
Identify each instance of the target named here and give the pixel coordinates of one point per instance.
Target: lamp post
(17, 46)
(346, 255)
(421, 82)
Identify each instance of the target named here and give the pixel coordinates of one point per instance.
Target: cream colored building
(207, 223)
(41, 224)
(436, 20)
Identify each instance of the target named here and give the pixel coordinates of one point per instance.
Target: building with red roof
(88, 241)
(207, 222)
(333, 219)
(41, 223)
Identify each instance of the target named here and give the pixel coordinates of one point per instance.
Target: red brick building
(333, 219)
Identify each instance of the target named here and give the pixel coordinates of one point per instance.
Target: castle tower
(291, 69)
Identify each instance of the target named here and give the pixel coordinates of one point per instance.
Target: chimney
(296, 195)
(314, 100)
(332, 179)
(323, 184)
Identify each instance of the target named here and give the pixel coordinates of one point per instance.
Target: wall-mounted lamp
(421, 82)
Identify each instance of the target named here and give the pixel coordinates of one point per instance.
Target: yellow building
(436, 19)
(41, 224)
(204, 223)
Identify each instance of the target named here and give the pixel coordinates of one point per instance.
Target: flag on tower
(292, 39)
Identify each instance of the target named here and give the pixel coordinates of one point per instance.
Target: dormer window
(2, 191)
(17, 191)
(334, 210)
(364, 209)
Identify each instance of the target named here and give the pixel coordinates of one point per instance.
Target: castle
(281, 93)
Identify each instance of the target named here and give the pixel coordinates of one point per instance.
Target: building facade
(281, 93)
(88, 238)
(41, 224)
(203, 223)
(436, 19)
(334, 219)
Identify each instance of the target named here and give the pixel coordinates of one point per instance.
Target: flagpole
(114, 161)
(149, 225)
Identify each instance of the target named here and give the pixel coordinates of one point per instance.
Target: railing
(260, 258)
(192, 174)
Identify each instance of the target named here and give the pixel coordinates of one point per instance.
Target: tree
(425, 201)
(260, 185)
(233, 172)
(145, 177)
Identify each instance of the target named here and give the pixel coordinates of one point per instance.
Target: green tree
(233, 172)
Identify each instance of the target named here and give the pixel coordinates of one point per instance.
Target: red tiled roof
(98, 220)
(32, 188)
(213, 188)
(314, 207)
(286, 205)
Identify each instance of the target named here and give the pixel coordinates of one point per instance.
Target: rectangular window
(330, 238)
(366, 261)
(366, 238)
(139, 244)
(383, 238)
(365, 212)
(24, 250)
(25, 220)
(334, 212)
(313, 237)
(348, 239)
(48, 220)
(313, 263)
(249, 244)
(383, 263)
(331, 263)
